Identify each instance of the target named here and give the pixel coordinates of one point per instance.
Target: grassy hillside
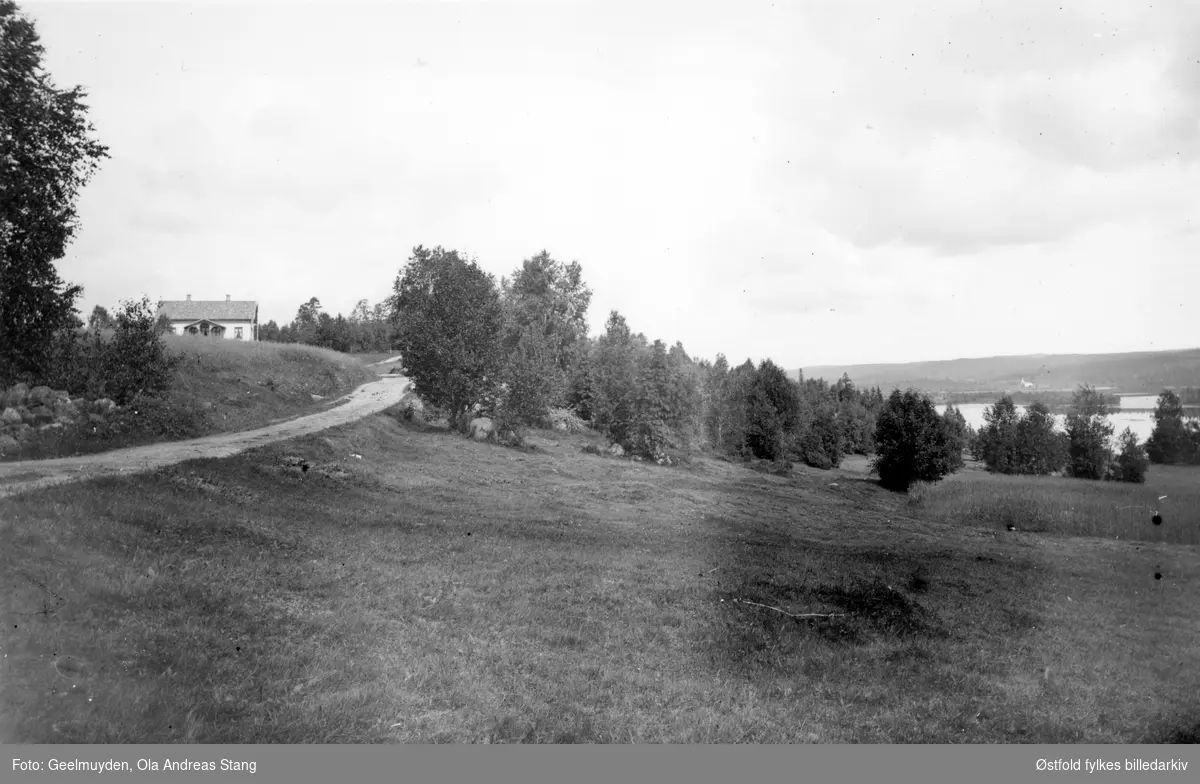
(222, 386)
(415, 586)
(1146, 371)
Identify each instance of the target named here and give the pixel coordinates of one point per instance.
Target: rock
(41, 395)
(316, 397)
(16, 395)
(39, 415)
(8, 444)
(10, 416)
(617, 450)
(482, 429)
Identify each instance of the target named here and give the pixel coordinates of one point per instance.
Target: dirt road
(25, 475)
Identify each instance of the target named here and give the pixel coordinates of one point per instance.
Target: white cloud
(815, 183)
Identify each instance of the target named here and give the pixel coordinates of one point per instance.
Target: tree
(997, 441)
(772, 412)
(956, 436)
(911, 442)
(307, 322)
(1170, 441)
(551, 295)
(136, 361)
(448, 322)
(46, 157)
(269, 331)
(615, 380)
(716, 417)
(530, 380)
(1041, 449)
(823, 445)
(1089, 433)
(100, 319)
(1131, 463)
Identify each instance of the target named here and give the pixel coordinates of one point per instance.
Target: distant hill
(1139, 372)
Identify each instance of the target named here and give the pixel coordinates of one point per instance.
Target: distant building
(232, 319)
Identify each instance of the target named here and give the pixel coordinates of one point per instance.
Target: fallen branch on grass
(791, 615)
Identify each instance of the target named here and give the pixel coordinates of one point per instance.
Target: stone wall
(24, 412)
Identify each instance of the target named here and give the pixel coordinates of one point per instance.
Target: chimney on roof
(226, 297)
(189, 297)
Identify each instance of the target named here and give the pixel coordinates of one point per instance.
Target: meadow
(221, 386)
(409, 585)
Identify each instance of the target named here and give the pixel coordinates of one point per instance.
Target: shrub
(1171, 441)
(912, 442)
(136, 361)
(1089, 431)
(1132, 462)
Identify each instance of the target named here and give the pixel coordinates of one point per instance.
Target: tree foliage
(1041, 449)
(1089, 433)
(548, 296)
(957, 435)
(1131, 463)
(448, 322)
(46, 157)
(1172, 440)
(912, 442)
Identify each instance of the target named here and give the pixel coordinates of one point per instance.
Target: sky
(814, 182)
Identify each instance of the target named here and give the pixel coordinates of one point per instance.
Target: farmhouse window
(237, 332)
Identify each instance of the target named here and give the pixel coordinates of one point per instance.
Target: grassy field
(1058, 505)
(415, 586)
(222, 386)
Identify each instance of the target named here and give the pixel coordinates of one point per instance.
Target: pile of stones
(24, 412)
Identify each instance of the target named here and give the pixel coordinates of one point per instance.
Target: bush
(912, 442)
(122, 363)
(1132, 462)
(136, 361)
(1089, 431)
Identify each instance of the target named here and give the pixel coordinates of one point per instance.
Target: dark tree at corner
(912, 443)
(46, 157)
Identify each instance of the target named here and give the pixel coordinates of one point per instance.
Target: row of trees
(1029, 443)
(515, 349)
(367, 329)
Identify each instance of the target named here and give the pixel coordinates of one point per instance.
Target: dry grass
(441, 590)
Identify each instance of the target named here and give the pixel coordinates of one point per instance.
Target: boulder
(9, 416)
(617, 450)
(16, 395)
(41, 395)
(482, 429)
(39, 415)
(64, 410)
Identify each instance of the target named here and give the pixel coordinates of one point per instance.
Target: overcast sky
(816, 182)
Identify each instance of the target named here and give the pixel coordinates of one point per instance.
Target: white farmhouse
(237, 320)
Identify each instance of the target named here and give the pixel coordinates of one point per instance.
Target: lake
(1140, 421)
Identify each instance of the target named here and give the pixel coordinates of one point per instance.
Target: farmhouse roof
(215, 310)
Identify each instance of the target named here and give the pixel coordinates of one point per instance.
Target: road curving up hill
(374, 396)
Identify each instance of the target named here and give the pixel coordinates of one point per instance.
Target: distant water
(1140, 422)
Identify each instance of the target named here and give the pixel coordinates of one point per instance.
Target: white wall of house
(231, 328)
